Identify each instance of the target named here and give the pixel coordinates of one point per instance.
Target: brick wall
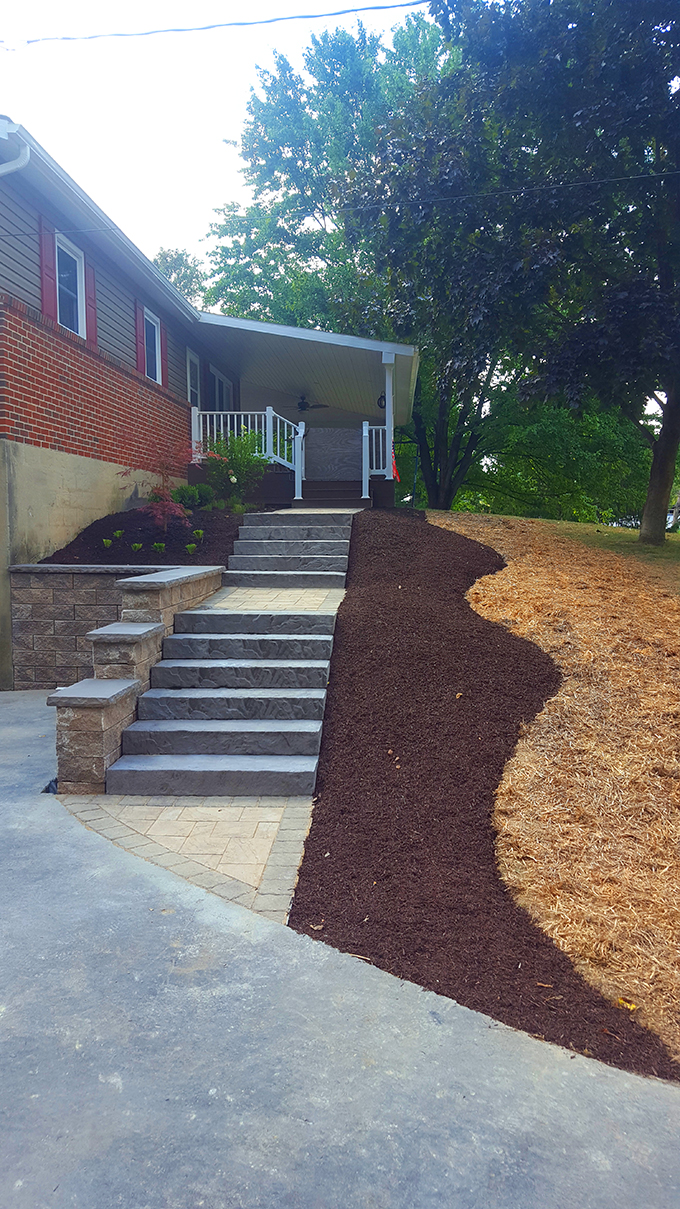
(53, 608)
(58, 393)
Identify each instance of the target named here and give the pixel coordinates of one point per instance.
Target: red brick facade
(58, 393)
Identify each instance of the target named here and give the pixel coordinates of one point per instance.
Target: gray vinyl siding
(20, 253)
(115, 317)
(177, 364)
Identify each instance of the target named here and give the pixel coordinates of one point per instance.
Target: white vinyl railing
(278, 439)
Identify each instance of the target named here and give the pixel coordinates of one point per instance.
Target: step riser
(188, 675)
(283, 579)
(223, 621)
(229, 707)
(295, 533)
(191, 783)
(277, 562)
(310, 518)
(182, 646)
(197, 743)
(294, 549)
(357, 505)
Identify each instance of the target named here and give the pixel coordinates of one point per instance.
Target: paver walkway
(164, 1049)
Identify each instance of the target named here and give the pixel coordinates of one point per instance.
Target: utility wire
(197, 29)
(606, 180)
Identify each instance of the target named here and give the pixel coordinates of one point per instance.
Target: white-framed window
(152, 346)
(219, 391)
(193, 379)
(70, 286)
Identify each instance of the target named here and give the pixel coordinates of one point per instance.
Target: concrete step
(295, 533)
(224, 621)
(247, 646)
(283, 579)
(213, 775)
(240, 673)
(283, 562)
(292, 548)
(232, 704)
(289, 517)
(258, 737)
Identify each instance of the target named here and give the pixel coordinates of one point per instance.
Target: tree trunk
(653, 526)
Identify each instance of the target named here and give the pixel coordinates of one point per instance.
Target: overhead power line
(423, 201)
(198, 29)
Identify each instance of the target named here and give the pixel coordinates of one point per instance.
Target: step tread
(269, 694)
(227, 726)
(202, 763)
(276, 663)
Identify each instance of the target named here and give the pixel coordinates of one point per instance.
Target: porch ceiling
(344, 372)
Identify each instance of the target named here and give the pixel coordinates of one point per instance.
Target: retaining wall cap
(85, 569)
(126, 631)
(94, 694)
(168, 577)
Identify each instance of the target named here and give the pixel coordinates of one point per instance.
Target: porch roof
(346, 373)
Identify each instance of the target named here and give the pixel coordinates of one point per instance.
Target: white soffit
(344, 372)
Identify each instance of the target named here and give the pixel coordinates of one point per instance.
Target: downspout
(7, 128)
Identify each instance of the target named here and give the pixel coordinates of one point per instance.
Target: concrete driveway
(163, 1049)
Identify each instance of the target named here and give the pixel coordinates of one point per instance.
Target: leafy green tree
(185, 272)
(286, 258)
(584, 94)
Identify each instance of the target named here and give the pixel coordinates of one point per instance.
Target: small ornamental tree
(161, 507)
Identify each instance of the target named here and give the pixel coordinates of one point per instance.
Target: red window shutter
(90, 305)
(164, 355)
(48, 270)
(139, 337)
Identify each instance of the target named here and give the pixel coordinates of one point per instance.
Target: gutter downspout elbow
(21, 160)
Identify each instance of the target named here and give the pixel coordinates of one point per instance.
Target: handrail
(276, 436)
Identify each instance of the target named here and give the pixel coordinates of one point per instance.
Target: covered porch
(324, 406)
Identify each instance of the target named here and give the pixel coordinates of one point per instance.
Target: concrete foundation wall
(46, 498)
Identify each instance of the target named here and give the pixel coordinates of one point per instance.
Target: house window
(193, 379)
(70, 286)
(219, 391)
(152, 346)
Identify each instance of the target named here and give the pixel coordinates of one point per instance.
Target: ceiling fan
(303, 405)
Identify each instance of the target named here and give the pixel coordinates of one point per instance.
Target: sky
(140, 123)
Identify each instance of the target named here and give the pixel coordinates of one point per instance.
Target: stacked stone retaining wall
(53, 608)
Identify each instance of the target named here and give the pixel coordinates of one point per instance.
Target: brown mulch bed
(425, 706)
(220, 529)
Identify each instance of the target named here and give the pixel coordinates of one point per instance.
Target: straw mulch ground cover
(426, 703)
(587, 814)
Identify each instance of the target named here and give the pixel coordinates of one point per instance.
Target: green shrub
(234, 467)
(106, 541)
(159, 547)
(206, 494)
(191, 547)
(185, 495)
(199, 534)
(136, 546)
(118, 532)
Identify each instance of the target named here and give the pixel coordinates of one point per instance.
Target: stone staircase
(236, 704)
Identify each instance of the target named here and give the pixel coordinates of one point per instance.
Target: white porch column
(388, 362)
(299, 446)
(196, 439)
(269, 433)
(365, 461)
